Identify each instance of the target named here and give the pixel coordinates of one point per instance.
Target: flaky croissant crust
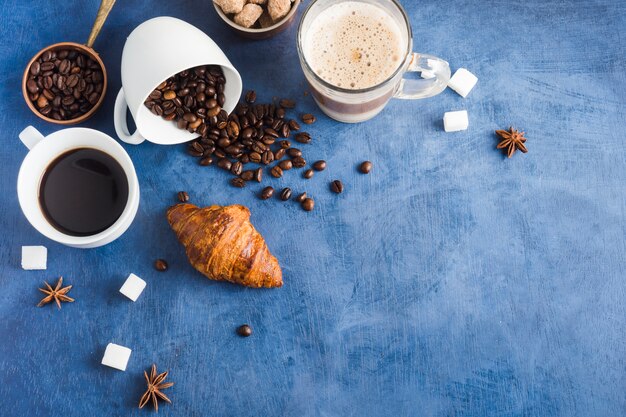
(222, 244)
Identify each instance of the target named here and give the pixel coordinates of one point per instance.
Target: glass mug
(357, 105)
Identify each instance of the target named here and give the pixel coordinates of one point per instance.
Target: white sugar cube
(34, 257)
(133, 287)
(116, 356)
(454, 121)
(427, 75)
(462, 82)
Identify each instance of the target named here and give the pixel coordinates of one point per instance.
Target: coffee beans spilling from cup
(64, 84)
(193, 99)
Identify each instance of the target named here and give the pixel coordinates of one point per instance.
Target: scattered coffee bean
(308, 204)
(258, 175)
(300, 198)
(247, 175)
(206, 161)
(238, 182)
(287, 103)
(183, 197)
(365, 167)
(244, 330)
(294, 125)
(308, 118)
(303, 137)
(284, 144)
(308, 174)
(298, 162)
(276, 172)
(294, 152)
(285, 194)
(160, 265)
(267, 193)
(64, 84)
(286, 165)
(225, 164)
(250, 96)
(236, 168)
(319, 165)
(336, 186)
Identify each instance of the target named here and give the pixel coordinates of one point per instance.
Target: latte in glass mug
(354, 54)
(354, 45)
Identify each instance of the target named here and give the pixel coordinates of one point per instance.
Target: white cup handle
(121, 125)
(30, 137)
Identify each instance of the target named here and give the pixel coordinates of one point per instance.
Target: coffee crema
(353, 45)
(83, 192)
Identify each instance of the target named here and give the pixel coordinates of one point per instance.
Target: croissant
(223, 245)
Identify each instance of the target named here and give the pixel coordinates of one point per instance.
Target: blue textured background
(449, 282)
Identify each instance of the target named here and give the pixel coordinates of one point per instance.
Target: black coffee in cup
(83, 192)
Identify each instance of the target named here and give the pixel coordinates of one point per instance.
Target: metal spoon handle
(103, 12)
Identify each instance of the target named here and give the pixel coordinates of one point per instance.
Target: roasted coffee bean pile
(253, 133)
(64, 84)
(193, 99)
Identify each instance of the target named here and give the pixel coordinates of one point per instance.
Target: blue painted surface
(449, 282)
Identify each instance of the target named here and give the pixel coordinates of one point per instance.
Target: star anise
(57, 294)
(512, 141)
(155, 385)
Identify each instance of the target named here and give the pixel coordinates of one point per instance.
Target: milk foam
(353, 45)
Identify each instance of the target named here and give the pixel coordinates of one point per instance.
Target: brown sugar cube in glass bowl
(278, 8)
(248, 15)
(230, 6)
(259, 2)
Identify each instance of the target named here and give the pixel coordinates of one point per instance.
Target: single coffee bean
(244, 330)
(160, 265)
(286, 165)
(298, 162)
(303, 137)
(287, 103)
(183, 197)
(294, 152)
(284, 131)
(365, 167)
(236, 168)
(285, 194)
(250, 96)
(319, 165)
(294, 125)
(225, 164)
(284, 144)
(308, 204)
(276, 172)
(238, 182)
(336, 186)
(279, 154)
(308, 118)
(258, 175)
(308, 174)
(300, 198)
(206, 161)
(247, 175)
(169, 95)
(266, 193)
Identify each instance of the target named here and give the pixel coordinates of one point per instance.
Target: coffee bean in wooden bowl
(65, 83)
(257, 19)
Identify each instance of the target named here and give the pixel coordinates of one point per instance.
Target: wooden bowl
(261, 33)
(66, 45)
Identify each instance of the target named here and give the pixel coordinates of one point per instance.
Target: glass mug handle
(435, 76)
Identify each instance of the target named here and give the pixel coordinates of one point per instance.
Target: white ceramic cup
(44, 150)
(156, 50)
